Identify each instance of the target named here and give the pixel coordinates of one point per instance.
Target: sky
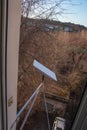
(78, 13)
(75, 13)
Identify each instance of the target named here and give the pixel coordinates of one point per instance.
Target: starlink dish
(44, 70)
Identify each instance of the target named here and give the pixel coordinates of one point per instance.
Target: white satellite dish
(44, 70)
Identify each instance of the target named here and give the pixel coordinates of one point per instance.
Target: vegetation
(44, 9)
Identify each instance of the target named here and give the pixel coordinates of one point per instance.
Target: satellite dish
(44, 70)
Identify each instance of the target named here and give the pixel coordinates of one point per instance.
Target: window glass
(55, 34)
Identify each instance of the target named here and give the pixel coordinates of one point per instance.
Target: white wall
(14, 14)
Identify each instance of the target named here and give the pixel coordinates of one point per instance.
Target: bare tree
(44, 9)
(28, 4)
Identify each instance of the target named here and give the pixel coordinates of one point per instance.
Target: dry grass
(56, 50)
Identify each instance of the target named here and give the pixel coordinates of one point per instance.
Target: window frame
(3, 59)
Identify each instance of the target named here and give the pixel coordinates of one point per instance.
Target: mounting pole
(42, 78)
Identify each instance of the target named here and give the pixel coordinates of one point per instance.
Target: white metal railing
(25, 119)
(34, 95)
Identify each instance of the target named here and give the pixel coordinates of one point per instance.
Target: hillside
(55, 25)
(64, 52)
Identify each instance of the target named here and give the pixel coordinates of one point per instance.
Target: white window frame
(11, 15)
